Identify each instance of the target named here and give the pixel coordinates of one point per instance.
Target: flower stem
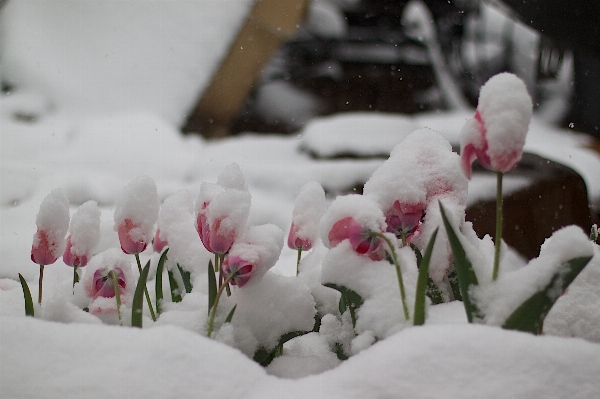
(115, 280)
(298, 261)
(40, 284)
(213, 311)
(137, 258)
(75, 276)
(498, 225)
(221, 260)
(403, 235)
(398, 273)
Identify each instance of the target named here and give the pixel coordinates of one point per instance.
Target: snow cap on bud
(52, 224)
(136, 213)
(356, 218)
(495, 136)
(84, 235)
(222, 210)
(254, 254)
(309, 207)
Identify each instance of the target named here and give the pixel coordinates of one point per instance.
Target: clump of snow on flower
(261, 246)
(309, 207)
(176, 224)
(138, 202)
(53, 222)
(497, 300)
(84, 230)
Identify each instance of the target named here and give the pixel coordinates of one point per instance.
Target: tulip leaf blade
(350, 300)
(422, 280)
(187, 279)
(175, 291)
(231, 313)
(138, 298)
(530, 315)
(464, 269)
(27, 296)
(159, 281)
(212, 286)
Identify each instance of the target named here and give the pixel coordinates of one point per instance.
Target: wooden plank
(269, 24)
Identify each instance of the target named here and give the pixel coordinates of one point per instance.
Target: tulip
(495, 136)
(240, 270)
(404, 220)
(158, 244)
(52, 224)
(362, 240)
(103, 285)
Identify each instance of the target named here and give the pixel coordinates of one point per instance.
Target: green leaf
(212, 286)
(27, 296)
(230, 315)
(159, 280)
(265, 356)
(138, 298)
(464, 268)
(350, 299)
(186, 277)
(530, 315)
(175, 292)
(419, 314)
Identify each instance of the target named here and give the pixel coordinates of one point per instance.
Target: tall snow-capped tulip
(84, 235)
(362, 239)
(222, 210)
(52, 224)
(158, 244)
(495, 136)
(136, 213)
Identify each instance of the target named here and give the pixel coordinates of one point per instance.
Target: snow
(91, 125)
(469, 362)
(309, 207)
(52, 222)
(84, 230)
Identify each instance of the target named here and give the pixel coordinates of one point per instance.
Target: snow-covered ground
(45, 144)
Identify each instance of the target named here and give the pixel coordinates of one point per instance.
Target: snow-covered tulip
(109, 283)
(404, 220)
(136, 213)
(159, 243)
(84, 235)
(309, 207)
(250, 258)
(495, 136)
(222, 210)
(52, 224)
(357, 219)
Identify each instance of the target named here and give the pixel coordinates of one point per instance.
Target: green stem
(398, 273)
(298, 261)
(75, 278)
(113, 276)
(498, 225)
(137, 258)
(40, 284)
(217, 266)
(213, 311)
(403, 236)
(222, 256)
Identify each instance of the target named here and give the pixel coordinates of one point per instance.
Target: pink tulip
(405, 218)
(103, 285)
(72, 259)
(158, 243)
(495, 136)
(131, 237)
(297, 242)
(215, 239)
(43, 251)
(361, 239)
(241, 269)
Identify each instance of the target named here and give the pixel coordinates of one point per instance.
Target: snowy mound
(454, 361)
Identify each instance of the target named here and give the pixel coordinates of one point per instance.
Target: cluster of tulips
(410, 216)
